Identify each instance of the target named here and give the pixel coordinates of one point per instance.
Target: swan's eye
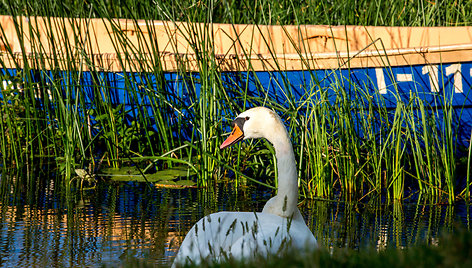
(247, 118)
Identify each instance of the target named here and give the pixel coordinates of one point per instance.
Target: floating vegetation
(169, 178)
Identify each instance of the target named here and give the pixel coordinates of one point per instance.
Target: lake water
(131, 223)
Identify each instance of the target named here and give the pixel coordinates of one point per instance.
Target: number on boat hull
(433, 72)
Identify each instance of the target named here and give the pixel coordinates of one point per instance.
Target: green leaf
(167, 177)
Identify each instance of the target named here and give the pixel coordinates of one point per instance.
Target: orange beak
(235, 136)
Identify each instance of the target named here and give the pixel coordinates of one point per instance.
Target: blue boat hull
(437, 86)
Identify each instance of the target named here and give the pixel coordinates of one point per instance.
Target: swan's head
(258, 122)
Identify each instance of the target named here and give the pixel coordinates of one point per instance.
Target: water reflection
(119, 224)
(398, 225)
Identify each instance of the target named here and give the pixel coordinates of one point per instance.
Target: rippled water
(130, 223)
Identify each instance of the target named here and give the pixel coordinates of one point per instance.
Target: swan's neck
(284, 203)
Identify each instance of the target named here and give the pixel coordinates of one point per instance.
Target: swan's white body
(244, 235)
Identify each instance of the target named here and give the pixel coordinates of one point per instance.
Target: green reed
(52, 113)
(283, 12)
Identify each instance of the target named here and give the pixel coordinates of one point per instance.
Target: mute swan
(243, 235)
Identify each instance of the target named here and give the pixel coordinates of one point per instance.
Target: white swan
(243, 235)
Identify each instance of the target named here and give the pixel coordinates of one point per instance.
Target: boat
(290, 62)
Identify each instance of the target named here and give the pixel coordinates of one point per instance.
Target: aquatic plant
(61, 105)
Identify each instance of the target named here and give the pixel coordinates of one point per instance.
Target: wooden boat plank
(233, 47)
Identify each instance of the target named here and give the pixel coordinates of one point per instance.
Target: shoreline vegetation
(449, 250)
(49, 117)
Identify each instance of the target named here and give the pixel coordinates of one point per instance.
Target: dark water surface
(130, 223)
